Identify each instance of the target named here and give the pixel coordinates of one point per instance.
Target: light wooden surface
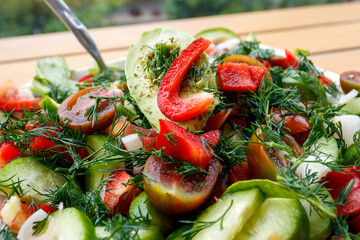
(330, 32)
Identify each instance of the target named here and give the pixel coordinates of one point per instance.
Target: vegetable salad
(197, 137)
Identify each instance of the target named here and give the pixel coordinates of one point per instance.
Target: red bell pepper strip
(292, 59)
(240, 77)
(168, 99)
(337, 182)
(8, 152)
(181, 144)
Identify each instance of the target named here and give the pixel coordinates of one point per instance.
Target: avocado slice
(144, 87)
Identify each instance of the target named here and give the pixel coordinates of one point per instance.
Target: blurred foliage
(21, 17)
(196, 8)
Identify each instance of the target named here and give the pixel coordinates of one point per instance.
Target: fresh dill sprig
(123, 228)
(6, 233)
(104, 78)
(160, 62)
(40, 225)
(198, 226)
(71, 195)
(170, 137)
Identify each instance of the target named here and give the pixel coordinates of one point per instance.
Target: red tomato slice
(279, 61)
(215, 122)
(292, 59)
(168, 99)
(118, 197)
(240, 77)
(84, 78)
(123, 128)
(355, 224)
(13, 98)
(240, 173)
(8, 152)
(174, 195)
(294, 123)
(181, 144)
(76, 107)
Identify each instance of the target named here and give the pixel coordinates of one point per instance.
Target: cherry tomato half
(174, 195)
(264, 162)
(77, 107)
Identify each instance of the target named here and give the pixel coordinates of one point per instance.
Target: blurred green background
(23, 17)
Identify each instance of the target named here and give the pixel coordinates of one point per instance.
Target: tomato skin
(293, 123)
(292, 59)
(168, 99)
(265, 162)
(279, 61)
(76, 107)
(123, 128)
(172, 195)
(240, 173)
(355, 224)
(15, 99)
(215, 122)
(239, 77)
(188, 145)
(118, 197)
(8, 152)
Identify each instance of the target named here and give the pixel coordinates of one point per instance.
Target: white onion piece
(343, 98)
(349, 125)
(312, 166)
(228, 44)
(132, 142)
(26, 231)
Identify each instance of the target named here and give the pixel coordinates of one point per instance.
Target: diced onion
(349, 125)
(26, 231)
(132, 142)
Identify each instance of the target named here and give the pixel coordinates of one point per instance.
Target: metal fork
(64, 13)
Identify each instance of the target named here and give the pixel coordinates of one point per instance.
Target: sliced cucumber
(277, 218)
(35, 179)
(49, 105)
(352, 106)
(228, 215)
(97, 172)
(351, 155)
(217, 35)
(325, 150)
(142, 207)
(70, 223)
(319, 223)
(151, 233)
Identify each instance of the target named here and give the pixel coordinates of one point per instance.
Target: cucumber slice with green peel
(351, 155)
(150, 233)
(272, 189)
(352, 107)
(277, 218)
(319, 223)
(97, 172)
(217, 35)
(34, 178)
(70, 223)
(224, 219)
(49, 105)
(325, 150)
(142, 207)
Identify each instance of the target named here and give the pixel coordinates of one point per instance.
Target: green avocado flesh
(144, 88)
(217, 35)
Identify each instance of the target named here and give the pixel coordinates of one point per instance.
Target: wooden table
(330, 32)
